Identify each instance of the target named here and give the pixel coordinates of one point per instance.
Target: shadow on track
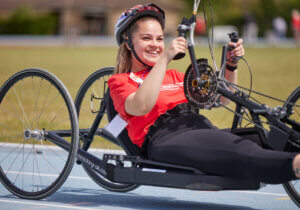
(92, 198)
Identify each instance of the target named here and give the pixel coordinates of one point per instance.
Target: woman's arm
(231, 76)
(143, 100)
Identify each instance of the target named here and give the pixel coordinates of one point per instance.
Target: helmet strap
(130, 44)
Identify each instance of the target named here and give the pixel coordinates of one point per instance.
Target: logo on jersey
(175, 86)
(166, 87)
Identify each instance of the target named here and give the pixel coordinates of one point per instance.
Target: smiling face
(148, 42)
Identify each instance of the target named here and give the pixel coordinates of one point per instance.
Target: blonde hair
(123, 59)
(123, 64)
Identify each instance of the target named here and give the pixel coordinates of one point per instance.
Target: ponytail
(123, 59)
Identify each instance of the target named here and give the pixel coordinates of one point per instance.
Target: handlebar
(182, 30)
(188, 25)
(233, 38)
(185, 26)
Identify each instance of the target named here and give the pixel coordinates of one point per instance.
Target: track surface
(80, 192)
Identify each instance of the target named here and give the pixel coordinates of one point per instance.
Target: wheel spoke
(38, 169)
(49, 163)
(61, 122)
(21, 106)
(23, 164)
(54, 118)
(14, 115)
(12, 163)
(54, 152)
(9, 153)
(36, 101)
(48, 105)
(43, 106)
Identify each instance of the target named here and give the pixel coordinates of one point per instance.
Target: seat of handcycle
(123, 138)
(164, 174)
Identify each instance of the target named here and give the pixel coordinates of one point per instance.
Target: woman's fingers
(178, 45)
(237, 44)
(239, 51)
(238, 48)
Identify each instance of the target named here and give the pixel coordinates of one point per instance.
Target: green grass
(275, 70)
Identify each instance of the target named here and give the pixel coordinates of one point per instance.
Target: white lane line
(47, 175)
(262, 193)
(46, 147)
(46, 204)
(79, 177)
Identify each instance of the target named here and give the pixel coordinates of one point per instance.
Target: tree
(23, 21)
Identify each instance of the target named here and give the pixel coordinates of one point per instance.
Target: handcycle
(41, 127)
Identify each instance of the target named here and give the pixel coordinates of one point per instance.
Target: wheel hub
(35, 134)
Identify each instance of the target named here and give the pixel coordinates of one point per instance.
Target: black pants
(190, 139)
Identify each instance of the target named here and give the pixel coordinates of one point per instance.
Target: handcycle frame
(148, 172)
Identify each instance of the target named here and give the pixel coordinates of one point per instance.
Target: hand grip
(234, 37)
(181, 33)
(179, 56)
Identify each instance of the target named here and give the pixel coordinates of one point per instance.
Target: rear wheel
(292, 118)
(34, 102)
(87, 103)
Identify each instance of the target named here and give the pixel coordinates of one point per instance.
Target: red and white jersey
(171, 94)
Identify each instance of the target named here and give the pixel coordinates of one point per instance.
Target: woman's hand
(231, 73)
(178, 45)
(238, 51)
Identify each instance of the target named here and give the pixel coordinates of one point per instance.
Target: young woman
(151, 99)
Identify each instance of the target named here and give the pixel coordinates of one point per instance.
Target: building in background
(91, 17)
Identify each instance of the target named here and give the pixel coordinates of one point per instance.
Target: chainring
(204, 94)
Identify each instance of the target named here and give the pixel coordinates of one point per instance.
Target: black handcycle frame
(148, 172)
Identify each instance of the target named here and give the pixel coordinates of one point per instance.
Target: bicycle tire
(28, 104)
(94, 84)
(293, 113)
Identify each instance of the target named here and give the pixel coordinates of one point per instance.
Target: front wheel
(34, 102)
(292, 118)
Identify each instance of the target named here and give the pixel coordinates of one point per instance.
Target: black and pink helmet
(132, 14)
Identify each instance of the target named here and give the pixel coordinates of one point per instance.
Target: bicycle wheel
(292, 107)
(34, 102)
(87, 103)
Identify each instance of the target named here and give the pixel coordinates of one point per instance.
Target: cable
(196, 5)
(240, 115)
(210, 41)
(210, 44)
(249, 68)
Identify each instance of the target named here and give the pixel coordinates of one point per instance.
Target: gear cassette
(201, 93)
